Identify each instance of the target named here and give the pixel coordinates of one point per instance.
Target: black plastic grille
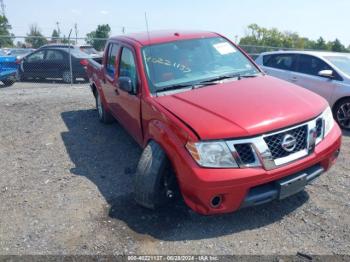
(274, 142)
(319, 127)
(245, 152)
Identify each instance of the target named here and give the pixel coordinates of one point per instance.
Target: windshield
(19, 52)
(78, 54)
(193, 61)
(342, 62)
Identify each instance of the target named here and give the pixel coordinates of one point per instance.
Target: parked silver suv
(325, 73)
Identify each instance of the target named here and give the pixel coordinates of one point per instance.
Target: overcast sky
(310, 18)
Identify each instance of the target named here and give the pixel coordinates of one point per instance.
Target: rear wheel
(155, 181)
(103, 115)
(342, 113)
(67, 77)
(20, 77)
(8, 82)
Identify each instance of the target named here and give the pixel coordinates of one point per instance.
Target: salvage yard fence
(38, 59)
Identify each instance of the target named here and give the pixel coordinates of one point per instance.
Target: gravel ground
(66, 188)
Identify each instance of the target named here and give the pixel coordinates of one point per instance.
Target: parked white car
(325, 73)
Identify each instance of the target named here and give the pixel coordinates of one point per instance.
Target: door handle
(294, 79)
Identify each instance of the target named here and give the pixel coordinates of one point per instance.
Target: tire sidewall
(149, 191)
(99, 107)
(67, 77)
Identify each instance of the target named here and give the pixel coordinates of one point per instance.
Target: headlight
(327, 116)
(211, 154)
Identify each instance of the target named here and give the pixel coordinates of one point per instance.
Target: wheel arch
(172, 141)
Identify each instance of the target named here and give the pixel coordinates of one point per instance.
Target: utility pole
(76, 33)
(123, 29)
(58, 29)
(2, 8)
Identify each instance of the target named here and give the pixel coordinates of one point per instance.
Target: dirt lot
(66, 188)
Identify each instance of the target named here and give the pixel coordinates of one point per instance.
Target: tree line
(36, 39)
(261, 36)
(255, 36)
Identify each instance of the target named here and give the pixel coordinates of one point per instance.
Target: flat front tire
(155, 181)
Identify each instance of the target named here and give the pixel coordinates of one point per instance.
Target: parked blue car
(8, 70)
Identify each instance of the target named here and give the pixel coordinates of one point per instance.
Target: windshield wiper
(238, 76)
(174, 87)
(181, 86)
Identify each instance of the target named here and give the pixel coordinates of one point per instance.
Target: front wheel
(342, 113)
(155, 180)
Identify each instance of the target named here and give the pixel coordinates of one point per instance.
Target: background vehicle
(212, 126)
(52, 62)
(19, 52)
(325, 73)
(8, 70)
(88, 49)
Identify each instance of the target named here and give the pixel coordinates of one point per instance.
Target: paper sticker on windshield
(224, 48)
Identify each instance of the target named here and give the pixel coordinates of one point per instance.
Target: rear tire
(155, 181)
(8, 83)
(103, 115)
(67, 77)
(342, 113)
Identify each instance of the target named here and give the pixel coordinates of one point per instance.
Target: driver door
(34, 64)
(129, 104)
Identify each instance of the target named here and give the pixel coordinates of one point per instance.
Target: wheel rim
(168, 184)
(343, 115)
(66, 77)
(99, 107)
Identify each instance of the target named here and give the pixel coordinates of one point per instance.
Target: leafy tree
(321, 44)
(99, 37)
(5, 28)
(337, 46)
(35, 37)
(20, 44)
(55, 36)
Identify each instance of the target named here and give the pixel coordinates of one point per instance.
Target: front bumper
(235, 187)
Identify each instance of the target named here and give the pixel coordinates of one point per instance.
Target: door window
(110, 64)
(280, 61)
(128, 66)
(311, 65)
(36, 57)
(53, 55)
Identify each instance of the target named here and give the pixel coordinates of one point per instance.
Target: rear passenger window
(54, 55)
(311, 65)
(112, 54)
(280, 61)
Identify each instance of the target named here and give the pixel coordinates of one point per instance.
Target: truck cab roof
(163, 36)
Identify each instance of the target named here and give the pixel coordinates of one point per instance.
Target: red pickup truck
(213, 127)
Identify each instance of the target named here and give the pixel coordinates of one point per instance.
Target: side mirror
(125, 83)
(326, 73)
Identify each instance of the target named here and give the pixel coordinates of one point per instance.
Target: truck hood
(244, 107)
